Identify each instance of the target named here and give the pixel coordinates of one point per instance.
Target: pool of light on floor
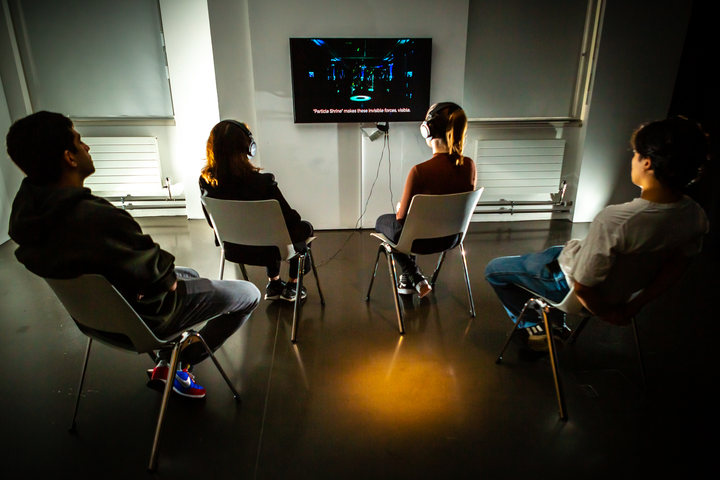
(402, 388)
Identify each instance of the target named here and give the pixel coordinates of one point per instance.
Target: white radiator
(128, 173)
(518, 170)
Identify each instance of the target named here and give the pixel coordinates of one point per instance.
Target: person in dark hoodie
(64, 231)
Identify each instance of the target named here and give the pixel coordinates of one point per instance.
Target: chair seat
(383, 238)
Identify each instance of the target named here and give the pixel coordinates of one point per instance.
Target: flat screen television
(360, 79)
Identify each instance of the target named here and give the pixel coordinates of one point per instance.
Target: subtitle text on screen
(321, 111)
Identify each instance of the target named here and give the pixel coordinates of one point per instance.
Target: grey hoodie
(67, 232)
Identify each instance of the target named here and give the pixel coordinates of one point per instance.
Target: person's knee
(240, 296)
(252, 294)
(492, 267)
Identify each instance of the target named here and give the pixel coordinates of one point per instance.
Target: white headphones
(252, 148)
(426, 128)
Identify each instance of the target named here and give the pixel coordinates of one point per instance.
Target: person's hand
(172, 289)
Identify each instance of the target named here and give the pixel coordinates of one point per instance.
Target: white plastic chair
(104, 315)
(258, 223)
(570, 305)
(429, 216)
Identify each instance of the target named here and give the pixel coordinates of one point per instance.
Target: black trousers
(389, 226)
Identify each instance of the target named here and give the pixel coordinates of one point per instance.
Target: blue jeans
(538, 272)
(224, 304)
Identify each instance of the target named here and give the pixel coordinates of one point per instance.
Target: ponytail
(455, 135)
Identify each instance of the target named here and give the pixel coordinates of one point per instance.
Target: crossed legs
(224, 304)
(537, 272)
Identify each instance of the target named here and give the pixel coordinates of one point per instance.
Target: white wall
(192, 75)
(639, 54)
(533, 49)
(325, 170)
(10, 175)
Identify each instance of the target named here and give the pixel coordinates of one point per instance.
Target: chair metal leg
(317, 279)
(298, 294)
(163, 406)
(217, 364)
(639, 354)
(576, 332)
(467, 281)
(222, 263)
(396, 295)
(437, 270)
(372, 280)
(541, 307)
(80, 384)
(507, 342)
(553, 362)
(244, 272)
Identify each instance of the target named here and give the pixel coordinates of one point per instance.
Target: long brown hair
(450, 123)
(226, 154)
(455, 135)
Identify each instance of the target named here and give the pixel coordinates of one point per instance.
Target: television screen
(360, 79)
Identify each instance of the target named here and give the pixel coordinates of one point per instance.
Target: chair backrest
(250, 222)
(435, 216)
(94, 303)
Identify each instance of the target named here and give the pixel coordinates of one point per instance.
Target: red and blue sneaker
(185, 385)
(158, 376)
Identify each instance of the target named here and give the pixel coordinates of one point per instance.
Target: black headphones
(426, 129)
(252, 148)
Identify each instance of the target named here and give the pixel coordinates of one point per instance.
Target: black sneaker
(274, 289)
(420, 285)
(290, 292)
(405, 286)
(537, 338)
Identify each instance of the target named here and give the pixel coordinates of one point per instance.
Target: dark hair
(226, 153)
(37, 144)
(677, 148)
(450, 124)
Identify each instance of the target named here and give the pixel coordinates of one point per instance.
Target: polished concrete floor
(353, 399)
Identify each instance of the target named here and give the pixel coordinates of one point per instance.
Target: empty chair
(430, 217)
(259, 226)
(104, 315)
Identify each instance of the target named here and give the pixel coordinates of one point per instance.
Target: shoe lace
(190, 375)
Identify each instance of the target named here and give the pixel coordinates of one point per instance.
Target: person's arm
(130, 259)
(474, 172)
(674, 268)
(408, 193)
(292, 217)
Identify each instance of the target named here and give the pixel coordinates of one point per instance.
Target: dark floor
(353, 399)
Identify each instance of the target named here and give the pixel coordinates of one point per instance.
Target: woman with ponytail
(448, 171)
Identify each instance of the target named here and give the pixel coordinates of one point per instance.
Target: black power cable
(386, 143)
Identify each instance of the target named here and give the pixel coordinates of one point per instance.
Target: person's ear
(646, 163)
(69, 159)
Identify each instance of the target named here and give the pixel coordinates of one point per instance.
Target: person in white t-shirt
(644, 245)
